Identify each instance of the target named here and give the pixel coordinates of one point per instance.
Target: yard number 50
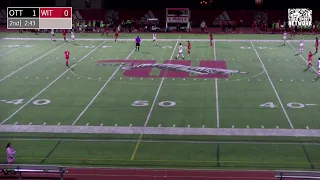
(142, 103)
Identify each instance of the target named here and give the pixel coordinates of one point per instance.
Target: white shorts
(319, 66)
(72, 37)
(154, 39)
(180, 52)
(284, 38)
(301, 44)
(52, 35)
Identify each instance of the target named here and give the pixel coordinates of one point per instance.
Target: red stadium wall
(209, 16)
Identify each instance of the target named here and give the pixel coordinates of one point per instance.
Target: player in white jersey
(180, 52)
(72, 35)
(284, 37)
(52, 35)
(301, 46)
(154, 37)
(319, 67)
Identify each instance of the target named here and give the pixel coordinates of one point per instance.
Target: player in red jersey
(211, 38)
(319, 66)
(189, 47)
(116, 35)
(310, 59)
(317, 44)
(67, 55)
(64, 33)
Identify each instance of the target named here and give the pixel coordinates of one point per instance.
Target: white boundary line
(162, 141)
(31, 62)
(192, 40)
(217, 89)
(182, 131)
(98, 93)
(25, 104)
(273, 87)
(159, 88)
(20, 46)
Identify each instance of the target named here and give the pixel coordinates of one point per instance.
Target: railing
(282, 175)
(21, 168)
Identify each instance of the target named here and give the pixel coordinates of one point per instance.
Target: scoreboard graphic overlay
(39, 18)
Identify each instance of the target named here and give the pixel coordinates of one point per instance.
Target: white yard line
(20, 46)
(25, 104)
(302, 57)
(217, 89)
(99, 92)
(30, 63)
(159, 88)
(273, 87)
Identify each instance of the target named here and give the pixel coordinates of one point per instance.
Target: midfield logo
(172, 68)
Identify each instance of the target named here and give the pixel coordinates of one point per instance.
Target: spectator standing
(202, 25)
(11, 154)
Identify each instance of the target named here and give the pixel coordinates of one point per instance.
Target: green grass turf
(240, 98)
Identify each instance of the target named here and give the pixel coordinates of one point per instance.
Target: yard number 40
(294, 105)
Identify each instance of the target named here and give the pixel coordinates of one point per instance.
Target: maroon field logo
(172, 68)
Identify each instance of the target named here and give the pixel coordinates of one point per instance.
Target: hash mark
(277, 127)
(116, 125)
(15, 123)
(59, 124)
(307, 127)
(130, 125)
(232, 126)
(238, 80)
(47, 77)
(87, 124)
(258, 79)
(262, 127)
(291, 80)
(188, 125)
(159, 125)
(27, 77)
(280, 79)
(16, 77)
(120, 78)
(101, 124)
(68, 77)
(302, 80)
(44, 124)
(174, 125)
(89, 78)
(248, 127)
(30, 123)
(203, 126)
(37, 77)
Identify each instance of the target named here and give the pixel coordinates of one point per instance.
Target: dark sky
(160, 4)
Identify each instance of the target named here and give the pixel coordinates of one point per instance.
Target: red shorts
(310, 61)
(64, 35)
(67, 58)
(116, 34)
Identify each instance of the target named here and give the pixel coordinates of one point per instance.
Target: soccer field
(113, 89)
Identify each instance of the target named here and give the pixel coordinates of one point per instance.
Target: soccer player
(284, 37)
(64, 33)
(138, 41)
(301, 46)
(317, 44)
(189, 47)
(72, 35)
(116, 35)
(211, 38)
(180, 52)
(67, 55)
(310, 59)
(154, 36)
(319, 67)
(52, 35)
